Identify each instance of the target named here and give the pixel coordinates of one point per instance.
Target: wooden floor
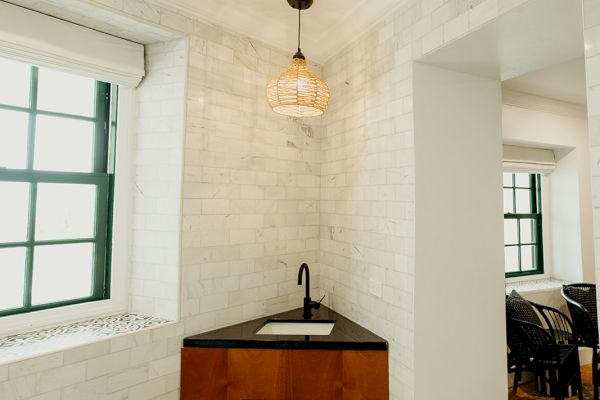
(527, 391)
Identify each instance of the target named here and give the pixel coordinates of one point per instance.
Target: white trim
(121, 247)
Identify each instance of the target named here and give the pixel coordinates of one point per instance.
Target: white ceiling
(533, 36)
(327, 27)
(565, 82)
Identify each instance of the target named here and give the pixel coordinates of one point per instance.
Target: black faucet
(308, 304)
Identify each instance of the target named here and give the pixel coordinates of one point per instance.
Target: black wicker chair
(554, 322)
(581, 300)
(558, 325)
(555, 365)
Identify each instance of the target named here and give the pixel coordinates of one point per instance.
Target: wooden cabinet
(267, 374)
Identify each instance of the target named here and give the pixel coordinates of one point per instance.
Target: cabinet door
(365, 375)
(203, 374)
(257, 374)
(316, 374)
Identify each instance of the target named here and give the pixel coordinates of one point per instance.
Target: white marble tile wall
(157, 191)
(591, 21)
(251, 186)
(262, 193)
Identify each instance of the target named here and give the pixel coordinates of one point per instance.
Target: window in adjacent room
(523, 247)
(56, 178)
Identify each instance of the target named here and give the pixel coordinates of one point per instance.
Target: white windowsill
(50, 340)
(535, 285)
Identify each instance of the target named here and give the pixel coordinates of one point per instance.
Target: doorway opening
(492, 120)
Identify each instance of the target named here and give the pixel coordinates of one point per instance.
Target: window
(523, 247)
(56, 141)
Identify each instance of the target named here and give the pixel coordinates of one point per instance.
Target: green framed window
(523, 239)
(56, 184)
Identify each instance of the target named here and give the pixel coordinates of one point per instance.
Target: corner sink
(296, 327)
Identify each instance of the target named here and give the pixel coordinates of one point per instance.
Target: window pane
(14, 83)
(63, 144)
(12, 267)
(523, 200)
(507, 179)
(527, 231)
(14, 209)
(511, 259)
(508, 201)
(510, 232)
(527, 258)
(13, 138)
(62, 272)
(65, 93)
(65, 211)
(522, 180)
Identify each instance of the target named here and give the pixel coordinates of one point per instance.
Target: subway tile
(18, 388)
(86, 352)
(36, 364)
(106, 364)
(54, 395)
(3, 372)
(60, 377)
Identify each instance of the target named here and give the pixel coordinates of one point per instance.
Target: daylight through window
(55, 187)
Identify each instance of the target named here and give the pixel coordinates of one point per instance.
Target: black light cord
(299, 11)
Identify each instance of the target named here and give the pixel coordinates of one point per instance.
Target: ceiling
(565, 82)
(327, 27)
(533, 36)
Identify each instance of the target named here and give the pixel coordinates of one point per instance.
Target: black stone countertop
(346, 335)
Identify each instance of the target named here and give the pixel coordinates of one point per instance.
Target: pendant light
(297, 92)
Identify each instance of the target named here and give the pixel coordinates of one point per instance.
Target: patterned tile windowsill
(534, 285)
(59, 338)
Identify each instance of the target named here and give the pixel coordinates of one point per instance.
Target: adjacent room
(299, 199)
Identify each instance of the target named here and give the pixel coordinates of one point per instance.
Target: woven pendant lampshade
(298, 92)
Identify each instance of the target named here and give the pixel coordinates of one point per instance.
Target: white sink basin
(314, 328)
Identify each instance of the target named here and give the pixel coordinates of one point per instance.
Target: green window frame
(523, 230)
(101, 177)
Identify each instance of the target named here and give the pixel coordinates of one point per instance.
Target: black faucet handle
(317, 304)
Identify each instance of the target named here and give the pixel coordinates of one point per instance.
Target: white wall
(378, 68)
(567, 248)
(570, 212)
(459, 271)
(250, 212)
(157, 188)
(592, 62)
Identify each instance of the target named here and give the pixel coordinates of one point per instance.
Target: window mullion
(30, 245)
(33, 92)
(539, 221)
(519, 241)
(100, 245)
(102, 107)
